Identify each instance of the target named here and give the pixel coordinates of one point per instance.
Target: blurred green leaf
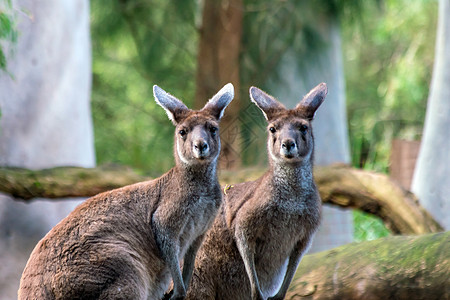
(388, 66)
(368, 227)
(137, 44)
(8, 33)
(388, 56)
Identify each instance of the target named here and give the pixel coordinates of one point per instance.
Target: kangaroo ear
(220, 101)
(311, 102)
(175, 109)
(268, 104)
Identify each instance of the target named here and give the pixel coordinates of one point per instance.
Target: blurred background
(387, 51)
(76, 88)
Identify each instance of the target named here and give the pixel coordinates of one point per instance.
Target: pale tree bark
(45, 121)
(399, 267)
(431, 181)
(218, 64)
(323, 64)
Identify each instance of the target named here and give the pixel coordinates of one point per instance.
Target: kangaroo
(265, 226)
(128, 243)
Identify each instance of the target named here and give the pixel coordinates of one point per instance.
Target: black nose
(201, 146)
(288, 144)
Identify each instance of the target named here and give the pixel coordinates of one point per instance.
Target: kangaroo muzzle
(200, 149)
(288, 148)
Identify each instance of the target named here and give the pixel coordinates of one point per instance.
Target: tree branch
(338, 185)
(399, 267)
(63, 182)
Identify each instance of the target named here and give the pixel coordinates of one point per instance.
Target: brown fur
(128, 243)
(265, 226)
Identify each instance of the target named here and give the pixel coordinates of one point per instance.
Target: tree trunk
(338, 185)
(323, 63)
(45, 119)
(400, 267)
(431, 180)
(218, 64)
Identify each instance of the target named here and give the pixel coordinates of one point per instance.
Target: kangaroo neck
(291, 176)
(199, 174)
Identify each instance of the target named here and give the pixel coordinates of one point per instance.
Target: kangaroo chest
(199, 214)
(284, 229)
(283, 222)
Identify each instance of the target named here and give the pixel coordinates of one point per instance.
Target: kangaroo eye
(213, 131)
(182, 132)
(272, 129)
(303, 129)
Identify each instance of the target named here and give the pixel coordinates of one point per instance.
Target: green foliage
(368, 227)
(388, 59)
(137, 44)
(388, 66)
(8, 32)
(270, 30)
(388, 48)
(388, 63)
(388, 56)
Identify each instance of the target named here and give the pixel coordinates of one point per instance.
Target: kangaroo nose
(288, 144)
(201, 146)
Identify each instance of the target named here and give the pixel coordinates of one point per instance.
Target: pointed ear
(311, 102)
(220, 101)
(268, 104)
(175, 109)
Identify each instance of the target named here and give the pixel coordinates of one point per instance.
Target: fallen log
(338, 185)
(64, 182)
(397, 267)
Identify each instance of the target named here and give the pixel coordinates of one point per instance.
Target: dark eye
(272, 129)
(213, 131)
(303, 129)
(182, 132)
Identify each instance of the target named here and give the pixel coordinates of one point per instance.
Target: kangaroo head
(290, 134)
(197, 132)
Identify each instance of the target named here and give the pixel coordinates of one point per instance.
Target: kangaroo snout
(288, 148)
(288, 144)
(201, 148)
